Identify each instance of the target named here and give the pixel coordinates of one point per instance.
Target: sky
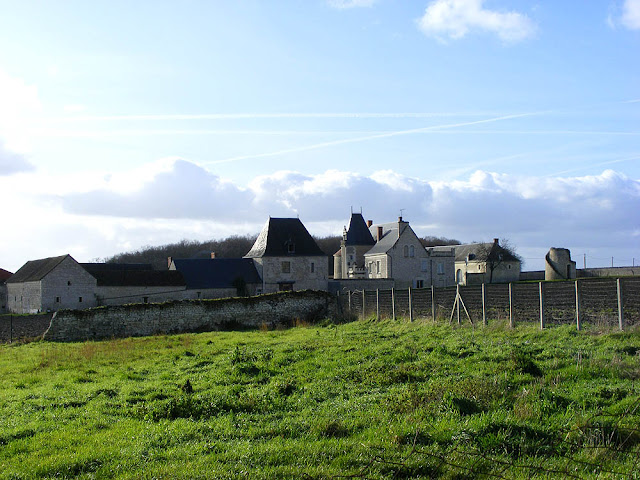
(127, 124)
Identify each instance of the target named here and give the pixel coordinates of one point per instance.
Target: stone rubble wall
(280, 309)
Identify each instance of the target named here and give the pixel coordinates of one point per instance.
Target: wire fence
(600, 301)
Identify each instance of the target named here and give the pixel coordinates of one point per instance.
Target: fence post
(578, 312)
(433, 303)
(393, 303)
(541, 294)
(511, 319)
(410, 307)
(458, 302)
(10, 328)
(620, 306)
(363, 303)
(484, 308)
(377, 304)
(349, 294)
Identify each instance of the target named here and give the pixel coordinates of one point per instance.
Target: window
(145, 299)
(79, 299)
(69, 283)
(440, 268)
(378, 266)
(424, 265)
(199, 293)
(412, 251)
(313, 267)
(57, 299)
(286, 267)
(291, 248)
(406, 250)
(419, 283)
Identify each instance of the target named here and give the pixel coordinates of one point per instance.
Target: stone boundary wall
(278, 309)
(15, 327)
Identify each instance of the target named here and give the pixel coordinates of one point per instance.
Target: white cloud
(454, 19)
(343, 4)
(12, 162)
(631, 14)
(18, 102)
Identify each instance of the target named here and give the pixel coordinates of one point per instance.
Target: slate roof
(278, 234)
(216, 272)
(478, 252)
(132, 275)
(388, 240)
(4, 274)
(35, 270)
(358, 232)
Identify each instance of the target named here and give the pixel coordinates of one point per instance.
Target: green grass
(367, 400)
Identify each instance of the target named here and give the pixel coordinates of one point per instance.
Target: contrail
(369, 137)
(618, 160)
(244, 116)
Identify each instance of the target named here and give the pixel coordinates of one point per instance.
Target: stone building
(4, 276)
(122, 283)
(558, 265)
(399, 254)
(348, 262)
(489, 262)
(50, 284)
(287, 257)
(218, 277)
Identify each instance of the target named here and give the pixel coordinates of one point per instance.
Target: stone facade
(282, 309)
(3, 297)
(66, 285)
(298, 272)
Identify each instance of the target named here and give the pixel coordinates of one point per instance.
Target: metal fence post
(578, 312)
(484, 305)
(410, 307)
(541, 294)
(620, 306)
(393, 303)
(511, 319)
(433, 303)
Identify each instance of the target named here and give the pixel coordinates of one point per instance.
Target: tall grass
(367, 400)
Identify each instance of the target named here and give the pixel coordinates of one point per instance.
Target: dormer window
(291, 247)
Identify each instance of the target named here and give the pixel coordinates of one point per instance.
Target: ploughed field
(365, 399)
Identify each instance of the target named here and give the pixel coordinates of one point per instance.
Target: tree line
(234, 246)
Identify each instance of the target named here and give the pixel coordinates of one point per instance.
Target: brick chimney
(379, 233)
(495, 240)
(369, 223)
(213, 255)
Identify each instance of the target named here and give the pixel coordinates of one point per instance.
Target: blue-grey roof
(281, 237)
(216, 272)
(479, 252)
(388, 240)
(132, 275)
(358, 232)
(35, 270)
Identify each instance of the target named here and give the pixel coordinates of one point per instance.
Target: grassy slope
(379, 400)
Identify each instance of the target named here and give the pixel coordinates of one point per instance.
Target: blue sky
(125, 124)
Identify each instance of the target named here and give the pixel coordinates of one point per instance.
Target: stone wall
(17, 328)
(281, 309)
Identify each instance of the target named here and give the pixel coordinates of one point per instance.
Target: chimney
(379, 233)
(399, 219)
(213, 255)
(369, 223)
(169, 260)
(495, 240)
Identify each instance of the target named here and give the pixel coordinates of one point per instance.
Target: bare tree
(496, 253)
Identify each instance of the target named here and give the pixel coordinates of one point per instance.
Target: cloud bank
(454, 19)
(596, 210)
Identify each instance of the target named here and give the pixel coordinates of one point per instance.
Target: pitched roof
(478, 252)
(281, 237)
(389, 237)
(216, 272)
(4, 274)
(132, 275)
(35, 270)
(358, 232)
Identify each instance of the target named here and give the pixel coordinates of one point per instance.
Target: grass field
(361, 400)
